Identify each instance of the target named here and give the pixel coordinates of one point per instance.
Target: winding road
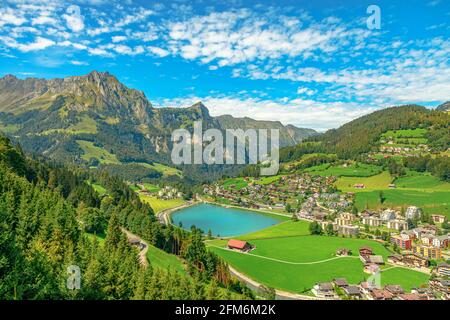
(142, 251)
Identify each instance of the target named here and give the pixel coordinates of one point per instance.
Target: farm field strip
(284, 261)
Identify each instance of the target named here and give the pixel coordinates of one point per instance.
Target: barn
(243, 246)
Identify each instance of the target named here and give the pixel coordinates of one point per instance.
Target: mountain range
(96, 120)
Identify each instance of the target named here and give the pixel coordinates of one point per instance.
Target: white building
(413, 213)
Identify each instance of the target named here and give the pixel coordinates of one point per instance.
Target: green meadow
(161, 259)
(159, 205)
(92, 151)
(352, 170)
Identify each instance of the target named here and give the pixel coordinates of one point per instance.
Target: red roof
(237, 244)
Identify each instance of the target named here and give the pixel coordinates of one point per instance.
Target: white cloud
(158, 51)
(11, 17)
(74, 19)
(44, 19)
(118, 38)
(79, 63)
(40, 43)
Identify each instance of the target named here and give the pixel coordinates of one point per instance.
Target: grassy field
(406, 278)
(99, 188)
(377, 182)
(165, 170)
(286, 257)
(99, 237)
(161, 259)
(435, 202)
(92, 151)
(353, 170)
(408, 133)
(159, 205)
(238, 183)
(419, 189)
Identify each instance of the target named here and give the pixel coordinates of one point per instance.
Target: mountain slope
(97, 121)
(444, 107)
(362, 135)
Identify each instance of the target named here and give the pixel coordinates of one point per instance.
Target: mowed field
(294, 261)
(159, 205)
(415, 188)
(418, 189)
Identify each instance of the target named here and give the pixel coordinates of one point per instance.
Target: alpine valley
(96, 121)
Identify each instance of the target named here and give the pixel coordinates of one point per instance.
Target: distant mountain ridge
(95, 119)
(444, 107)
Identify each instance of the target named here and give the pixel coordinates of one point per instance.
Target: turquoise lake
(224, 222)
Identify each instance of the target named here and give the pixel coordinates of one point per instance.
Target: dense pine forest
(46, 213)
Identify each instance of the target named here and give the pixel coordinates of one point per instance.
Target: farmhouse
(395, 289)
(365, 251)
(340, 282)
(359, 186)
(243, 246)
(352, 291)
(324, 290)
(378, 294)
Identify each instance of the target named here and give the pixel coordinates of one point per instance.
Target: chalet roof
(237, 244)
(394, 288)
(383, 294)
(352, 290)
(325, 286)
(340, 282)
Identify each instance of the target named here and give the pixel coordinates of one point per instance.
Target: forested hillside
(49, 217)
(97, 122)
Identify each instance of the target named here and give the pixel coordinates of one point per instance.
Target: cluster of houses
(168, 193)
(276, 195)
(438, 287)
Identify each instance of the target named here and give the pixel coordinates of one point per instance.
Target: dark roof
(325, 286)
(394, 288)
(352, 290)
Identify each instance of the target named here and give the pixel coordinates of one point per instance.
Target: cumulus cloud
(158, 51)
(39, 43)
(74, 19)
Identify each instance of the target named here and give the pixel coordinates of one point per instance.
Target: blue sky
(309, 63)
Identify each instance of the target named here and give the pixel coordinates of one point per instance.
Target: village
(416, 240)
